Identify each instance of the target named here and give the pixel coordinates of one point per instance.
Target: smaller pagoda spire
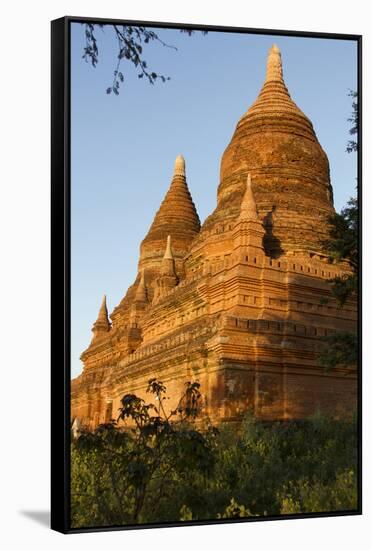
(168, 252)
(179, 166)
(248, 206)
(167, 278)
(274, 65)
(141, 293)
(168, 262)
(177, 214)
(102, 323)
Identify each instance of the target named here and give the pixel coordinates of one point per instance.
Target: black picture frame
(61, 277)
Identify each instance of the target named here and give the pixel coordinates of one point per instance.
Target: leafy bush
(315, 496)
(164, 468)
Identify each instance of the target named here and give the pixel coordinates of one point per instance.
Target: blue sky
(123, 148)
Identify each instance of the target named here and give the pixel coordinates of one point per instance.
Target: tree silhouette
(353, 119)
(136, 463)
(131, 43)
(341, 348)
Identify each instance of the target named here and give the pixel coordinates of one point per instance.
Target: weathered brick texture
(237, 304)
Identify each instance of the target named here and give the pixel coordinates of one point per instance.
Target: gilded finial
(274, 65)
(179, 168)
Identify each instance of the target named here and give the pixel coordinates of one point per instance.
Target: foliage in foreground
(161, 471)
(343, 245)
(341, 349)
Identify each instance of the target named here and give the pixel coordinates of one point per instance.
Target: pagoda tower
(275, 142)
(242, 303)
(177, 216)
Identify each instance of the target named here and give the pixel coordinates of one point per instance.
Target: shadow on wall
(271, 243)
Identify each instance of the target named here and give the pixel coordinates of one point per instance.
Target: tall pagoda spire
(102, 324)
(275, 142)
(275, 101)
(177, 216)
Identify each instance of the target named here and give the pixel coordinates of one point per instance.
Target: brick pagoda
(240, 303)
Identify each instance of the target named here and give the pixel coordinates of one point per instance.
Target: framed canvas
(206, 187)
